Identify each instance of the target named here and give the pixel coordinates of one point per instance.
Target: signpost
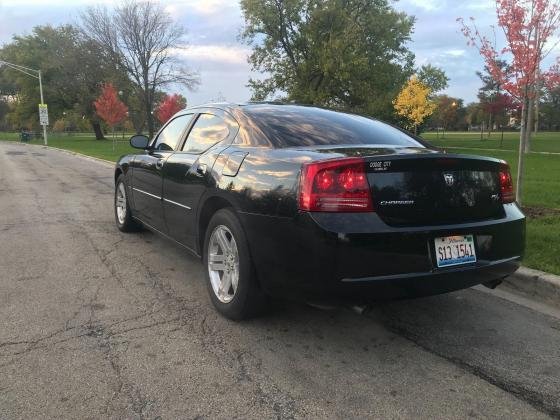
(43, 115)
(43, 110)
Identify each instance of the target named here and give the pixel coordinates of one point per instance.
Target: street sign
(43, 114)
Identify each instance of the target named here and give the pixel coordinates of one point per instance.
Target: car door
(187, 173)
(147, 177)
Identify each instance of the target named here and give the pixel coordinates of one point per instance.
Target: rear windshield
(293, 126)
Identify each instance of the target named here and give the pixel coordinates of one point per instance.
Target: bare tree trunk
(96, 125)
(529, 129)
(537, 100)
(148, 104)
(521, 157)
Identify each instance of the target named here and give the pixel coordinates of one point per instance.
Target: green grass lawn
(542, 142)
(542, 180)
(83, 143)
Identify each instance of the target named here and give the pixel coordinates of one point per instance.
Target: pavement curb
(70, 152)
(535, 284)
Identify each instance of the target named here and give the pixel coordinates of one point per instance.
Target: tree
(433, 77)
(528, 25)
(109, 107)
(413, 103)
(169, 106)
(448, 112)
(346, 54)
(139, 37)
(474, 114)
(550, 109)
(4, 111)
(494, 101)
(72, 68)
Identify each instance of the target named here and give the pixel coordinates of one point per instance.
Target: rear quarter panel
(264, 184)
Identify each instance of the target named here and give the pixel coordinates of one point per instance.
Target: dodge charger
(298, 202)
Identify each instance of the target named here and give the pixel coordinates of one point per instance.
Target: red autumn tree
(528, 25)
(109, 107)
(169, 106)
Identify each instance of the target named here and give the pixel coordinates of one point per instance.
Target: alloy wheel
(223, 263)
(120, 203)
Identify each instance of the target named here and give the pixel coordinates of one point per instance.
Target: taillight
(506, 185)
(335, 186)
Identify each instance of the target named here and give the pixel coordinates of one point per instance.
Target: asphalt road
(97, 324)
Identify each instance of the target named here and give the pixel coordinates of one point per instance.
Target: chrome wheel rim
(120, 203)
(223, 263)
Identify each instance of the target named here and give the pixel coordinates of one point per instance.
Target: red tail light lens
(335, 186)
(506, 185)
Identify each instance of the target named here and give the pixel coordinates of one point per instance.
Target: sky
(220, 58)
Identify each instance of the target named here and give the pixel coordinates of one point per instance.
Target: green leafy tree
(495, 102)
(550, 109)
(474, 114)
(347, 54)
(449, 113)
(72, 67)
(433, 77)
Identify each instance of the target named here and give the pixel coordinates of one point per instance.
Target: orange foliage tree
(169, 106)
(109, 107)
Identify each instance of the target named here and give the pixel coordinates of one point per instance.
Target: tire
(124, 221)
(244, 298)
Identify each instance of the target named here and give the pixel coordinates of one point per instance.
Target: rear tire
(123, 215)
(230, 275)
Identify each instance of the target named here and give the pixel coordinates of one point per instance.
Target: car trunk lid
(434, 189)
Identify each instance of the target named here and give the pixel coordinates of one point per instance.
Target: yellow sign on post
(43, 114)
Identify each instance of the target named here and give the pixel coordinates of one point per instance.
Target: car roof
(250, 107)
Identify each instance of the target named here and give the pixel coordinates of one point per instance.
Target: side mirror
(139, 141)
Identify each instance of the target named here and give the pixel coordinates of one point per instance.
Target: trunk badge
(449, 179)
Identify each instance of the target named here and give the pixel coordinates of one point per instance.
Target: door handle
(159, 164)
(201, 169)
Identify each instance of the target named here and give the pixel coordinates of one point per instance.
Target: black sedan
(301, 202)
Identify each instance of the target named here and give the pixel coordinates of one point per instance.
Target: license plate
(454, 250)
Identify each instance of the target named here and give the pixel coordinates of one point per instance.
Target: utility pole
(37, 75)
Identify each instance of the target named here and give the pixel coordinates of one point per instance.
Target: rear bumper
(359, 257)
(425, 284)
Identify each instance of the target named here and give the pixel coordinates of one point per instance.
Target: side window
(207, 131)
(170, 136)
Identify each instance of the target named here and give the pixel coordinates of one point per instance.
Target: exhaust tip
(492, 284)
